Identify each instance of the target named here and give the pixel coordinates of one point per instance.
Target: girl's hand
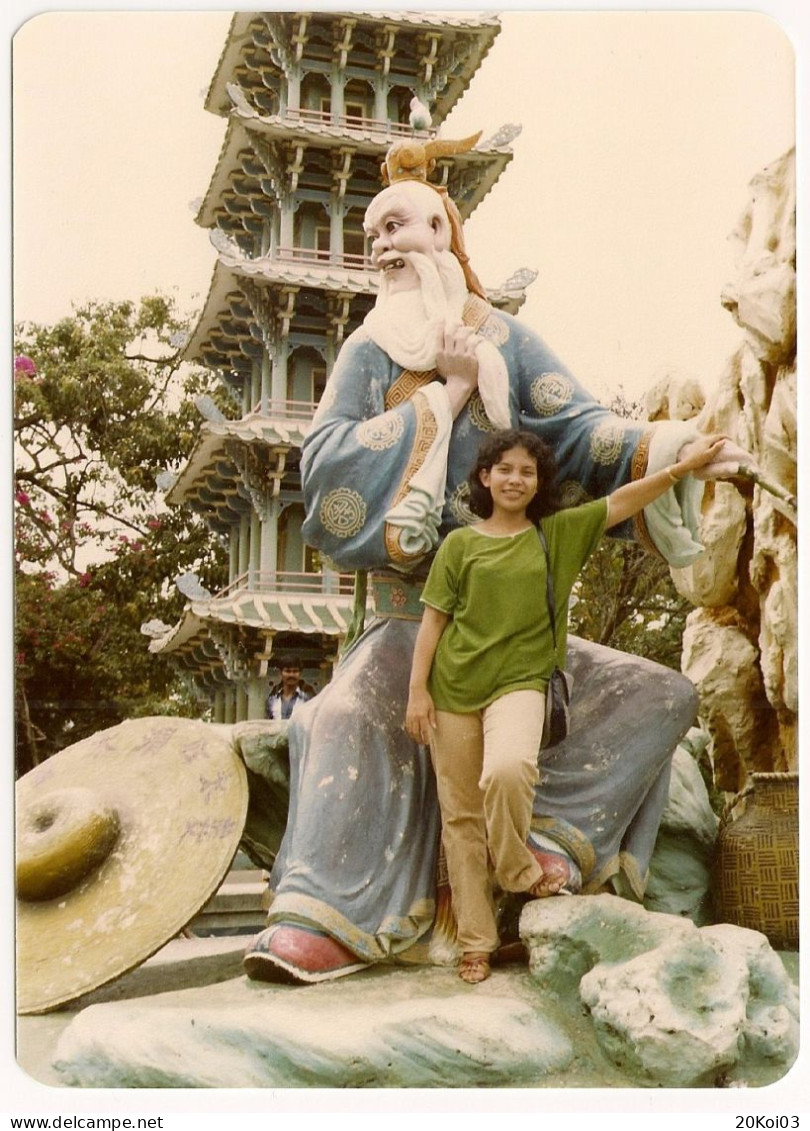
(420, 716)
(724, 462)
(700, 453)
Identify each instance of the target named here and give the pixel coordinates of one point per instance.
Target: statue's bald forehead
(419, 196)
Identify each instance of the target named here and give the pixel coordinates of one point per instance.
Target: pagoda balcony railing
(326, 258)
(354, 122)
(292, 584)
(294, 411)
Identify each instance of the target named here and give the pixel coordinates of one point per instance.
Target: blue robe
(360, 853)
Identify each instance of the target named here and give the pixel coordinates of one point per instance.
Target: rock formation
(740, 643)
(680, 878)
(672, 1005)
(615, 996)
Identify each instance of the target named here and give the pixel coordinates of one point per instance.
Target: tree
(102, 405)
(625, 596)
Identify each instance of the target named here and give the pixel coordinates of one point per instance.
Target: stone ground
(397, 1027)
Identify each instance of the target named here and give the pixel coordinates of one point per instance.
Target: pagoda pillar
(254, 569)
(255, 697)
(278, 388)
(244, 544)
(233, 552)
(293, 90)
(269, 543)
(338, 83)
(267, 382)
(275, 243)
(286, 233)
(381, 89)
(255, 385)
(337, 212)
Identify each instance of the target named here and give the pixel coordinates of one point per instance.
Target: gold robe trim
(641, 458)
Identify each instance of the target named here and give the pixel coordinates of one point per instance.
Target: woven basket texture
(757, 863)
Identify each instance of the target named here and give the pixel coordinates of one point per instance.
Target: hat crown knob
(61, 838)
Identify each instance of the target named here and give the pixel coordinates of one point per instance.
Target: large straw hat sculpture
(121, 839)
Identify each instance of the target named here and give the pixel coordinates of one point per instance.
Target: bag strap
(549, 590)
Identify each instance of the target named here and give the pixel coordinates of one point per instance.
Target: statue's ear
(441, 232)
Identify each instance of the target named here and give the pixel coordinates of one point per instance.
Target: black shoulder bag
(557, 719)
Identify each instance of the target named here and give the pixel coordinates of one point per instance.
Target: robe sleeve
(598, 451)
(374, 464)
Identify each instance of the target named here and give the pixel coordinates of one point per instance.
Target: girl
(481, 665)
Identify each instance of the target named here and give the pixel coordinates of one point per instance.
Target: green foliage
(625, 597)
(102, 405)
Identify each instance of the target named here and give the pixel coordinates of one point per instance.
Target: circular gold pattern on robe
(573, 494)
(478, 414)
(495, 330)
(381, 433)
(460, 505)
(607, 440)
(551, 392)
(343, 512)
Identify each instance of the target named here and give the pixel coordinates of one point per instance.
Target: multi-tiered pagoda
(312, 102)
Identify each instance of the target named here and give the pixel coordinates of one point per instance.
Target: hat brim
(180, 792)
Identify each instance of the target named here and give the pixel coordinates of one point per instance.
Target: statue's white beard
(406, 323)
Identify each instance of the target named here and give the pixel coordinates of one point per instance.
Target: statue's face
(398, 223)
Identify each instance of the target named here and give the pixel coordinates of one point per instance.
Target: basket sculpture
(757, 863)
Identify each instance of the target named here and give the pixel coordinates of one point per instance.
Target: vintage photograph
(405, 530)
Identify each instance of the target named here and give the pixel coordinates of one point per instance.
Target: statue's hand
(457, 363)
(725, 462)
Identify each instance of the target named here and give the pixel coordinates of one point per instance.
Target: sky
(641, 133)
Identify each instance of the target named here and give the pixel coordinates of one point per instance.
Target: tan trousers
(486, 771)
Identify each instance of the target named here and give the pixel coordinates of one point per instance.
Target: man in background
(288, 694)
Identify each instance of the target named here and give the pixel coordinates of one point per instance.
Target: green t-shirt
(494, 588)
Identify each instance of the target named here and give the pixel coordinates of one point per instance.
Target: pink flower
(154, 523)
(24, 366)
(22, 498)
(84, 580)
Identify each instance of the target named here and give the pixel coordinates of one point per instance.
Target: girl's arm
(633, 497)
(420, 714)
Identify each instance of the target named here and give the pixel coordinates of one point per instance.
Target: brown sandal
(474, 968)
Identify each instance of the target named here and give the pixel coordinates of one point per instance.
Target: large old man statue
(432, 369)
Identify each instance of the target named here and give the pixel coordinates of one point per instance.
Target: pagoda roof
(480, 28)
(211, 483)
(310, 614)
(232, 269)
(470, 176)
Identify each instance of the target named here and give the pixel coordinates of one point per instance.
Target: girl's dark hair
(547, 499)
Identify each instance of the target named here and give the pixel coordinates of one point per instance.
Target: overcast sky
(641, 132)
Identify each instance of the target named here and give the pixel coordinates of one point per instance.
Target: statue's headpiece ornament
(414, 160)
